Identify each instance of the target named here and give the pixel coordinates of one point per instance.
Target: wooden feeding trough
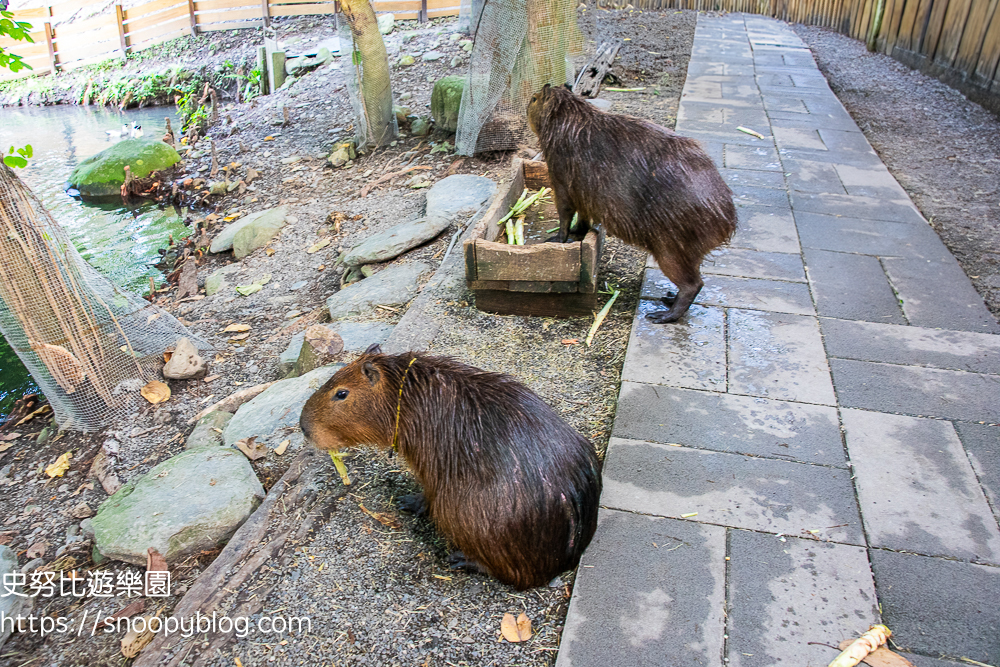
(539, 278)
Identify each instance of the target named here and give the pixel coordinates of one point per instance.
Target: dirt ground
(942, 148)
(376, 594)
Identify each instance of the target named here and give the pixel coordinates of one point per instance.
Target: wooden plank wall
(957, 41)
(72, 34)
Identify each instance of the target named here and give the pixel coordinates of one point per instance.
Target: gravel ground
(942, 148)
(376, 593)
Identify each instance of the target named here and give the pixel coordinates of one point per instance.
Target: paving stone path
(814, 448)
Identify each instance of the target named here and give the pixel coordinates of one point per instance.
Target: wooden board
(543, 261)
(990, 53)
(972, 38)
(542, 305)
(951, 32)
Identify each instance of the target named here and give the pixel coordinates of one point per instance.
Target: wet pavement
(814, 448)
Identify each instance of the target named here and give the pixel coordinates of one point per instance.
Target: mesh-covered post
(520, 46)
(368, 78)
(89, 346)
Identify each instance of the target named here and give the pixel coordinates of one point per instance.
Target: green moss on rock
(102, 174)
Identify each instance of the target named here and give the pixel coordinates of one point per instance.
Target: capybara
(647, 185)
(504, 478)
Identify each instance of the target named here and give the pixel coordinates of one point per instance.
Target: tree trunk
(371, 64)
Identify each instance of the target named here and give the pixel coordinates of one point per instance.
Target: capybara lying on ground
(505, 479)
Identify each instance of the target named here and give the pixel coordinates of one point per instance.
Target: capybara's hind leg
(414, 503)
(689, 283)
(457, 560)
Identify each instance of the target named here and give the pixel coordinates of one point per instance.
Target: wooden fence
(957, 41)
(65, 37)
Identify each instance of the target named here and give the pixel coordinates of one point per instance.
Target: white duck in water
(126, 132)
(136, 131)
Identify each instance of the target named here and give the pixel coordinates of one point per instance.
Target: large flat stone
(689, 353)
(357, 337)
(278, 407)
(852, 287)
(780, 356)
(224, 240)
(912, 346)
(869, 181)
(982, 444)
(394, 241)
(939, 607)
(812, 176)
(939, 294)
(869, 237)
(731, 490)
(765, 228)
(917, 490)
(911, 390)
(630, 606)
(18, 602)
(729, 423)
(787, 597)
(459, 194)
(393, 286)
(762, 157)
(761, 179)
(754, 195)
(737, 292)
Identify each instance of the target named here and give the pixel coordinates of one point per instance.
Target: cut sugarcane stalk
(510, 233)
(861, 647)
(600, 318)
(338, 463)
(519, 231)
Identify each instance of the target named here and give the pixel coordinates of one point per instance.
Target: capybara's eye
(341, 394)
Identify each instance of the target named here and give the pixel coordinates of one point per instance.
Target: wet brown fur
(505, 479)
(645, 184)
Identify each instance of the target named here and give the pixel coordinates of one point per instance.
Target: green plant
(18, 157)
(17, 30)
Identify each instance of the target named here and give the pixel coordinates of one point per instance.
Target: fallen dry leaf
(280, 449)
(253, 450)
(133, 642)
(155, 392)
(36, 550)
(268, 251)
(126, 612)
(40, 411)
(102, 469)
(316, 247)
(516, 631)
(59, 466)
(383, 519)
(239, 337)
(237, 328)
(10, 436)
(570, 341)
(155, 562)
(7, 445)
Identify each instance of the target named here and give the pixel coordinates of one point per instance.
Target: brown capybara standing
(505, 479)
(647, 185)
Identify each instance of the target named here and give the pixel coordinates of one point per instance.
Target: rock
(268, 218)
(420, 127)
(217, 281)
(406, 61)
(408, 36)
(386, 22)
(208, 431)
(395, 241)
(394, 286)
(102, 175)
(456, 61)
(81, 511)
(357, 336)
(405, 96)
(466, 44)
(461, 193)
(342, 154)
(454, 37)
(299, 65)
(276, 408)
(401, 115)
(11, 605)
(191, 502)
(218, 188)
(320, 347)
(445, 100)
(431, 56)
(298, 285)
(603, 105)
(324, 55)
(185, 363)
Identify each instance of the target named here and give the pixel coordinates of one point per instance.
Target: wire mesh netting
(89, 345)
(520, 46)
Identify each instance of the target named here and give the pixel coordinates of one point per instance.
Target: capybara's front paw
(669, 299)
(459, 561)
(557, 239)
(663, 316)
(414, 503)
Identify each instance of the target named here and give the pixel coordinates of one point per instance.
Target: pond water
(120, 243)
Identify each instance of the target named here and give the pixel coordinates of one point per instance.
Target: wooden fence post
(422, 15)
(265, 13)
(120, 16)
(52, 50)
(194, 20)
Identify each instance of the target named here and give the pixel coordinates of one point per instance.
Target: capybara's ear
(371, 372)
(374, 348)
(546, 87)
(568, 87)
